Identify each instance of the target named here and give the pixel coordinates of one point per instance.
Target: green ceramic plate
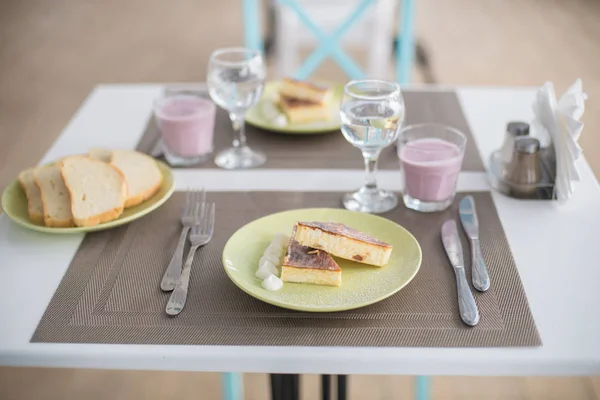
(257, 115)
(14, 204)
(361, 284)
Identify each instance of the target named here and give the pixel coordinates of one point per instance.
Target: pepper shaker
(514, 130)
(524, 171)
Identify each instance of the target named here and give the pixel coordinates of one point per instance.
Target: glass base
(179, 161)
(240, 158)
(375, 201)
(426, 206)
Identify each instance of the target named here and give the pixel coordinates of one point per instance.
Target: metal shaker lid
(517, 128)
(527, 145)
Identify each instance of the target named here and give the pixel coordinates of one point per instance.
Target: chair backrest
(369, 25)
(331, 25)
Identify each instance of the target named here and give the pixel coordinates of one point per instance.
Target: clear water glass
(236, 77)
(372, 113)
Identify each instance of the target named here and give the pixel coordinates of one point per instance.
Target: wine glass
(236, 77)
(372, 113)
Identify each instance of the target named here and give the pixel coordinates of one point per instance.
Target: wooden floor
(52, 53)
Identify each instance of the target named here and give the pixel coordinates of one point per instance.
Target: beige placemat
(331, 150)
(110, 293)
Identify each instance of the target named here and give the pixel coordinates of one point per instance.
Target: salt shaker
(514, 130)
(524, 171)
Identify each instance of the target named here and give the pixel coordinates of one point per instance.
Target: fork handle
(173, 271)
(179, 295)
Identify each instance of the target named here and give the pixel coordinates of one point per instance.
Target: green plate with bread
(86, 193)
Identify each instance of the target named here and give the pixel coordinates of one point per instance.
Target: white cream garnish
(272, 283)
(269, 263)
(271, 112)
(265, 269)
(282, 240)
(275, 250)
(273, 259)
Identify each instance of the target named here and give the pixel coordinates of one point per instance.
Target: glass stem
(371, 159)
(239, 130)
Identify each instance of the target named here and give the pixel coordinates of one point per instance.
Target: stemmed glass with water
(236, 77)
(372, 113)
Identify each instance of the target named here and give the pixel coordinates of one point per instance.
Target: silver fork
(194, 201)
(200, 236)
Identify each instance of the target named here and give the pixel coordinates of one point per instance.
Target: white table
(555, 247)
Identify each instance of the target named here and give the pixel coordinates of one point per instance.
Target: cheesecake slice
(303, 264)
(302, 111)
(344, 242)
(302, 90)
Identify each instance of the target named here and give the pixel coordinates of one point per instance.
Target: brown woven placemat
(331, 150)
(111, 294)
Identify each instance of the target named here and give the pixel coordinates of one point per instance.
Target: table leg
(276, 386)
(285, 386)
(341, 387)
(325, 387)
(295, 387)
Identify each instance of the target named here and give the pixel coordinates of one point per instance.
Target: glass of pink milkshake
(431, 157)
(186, 122)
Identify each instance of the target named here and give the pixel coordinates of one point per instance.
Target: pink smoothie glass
(187, 123)
(431, 157)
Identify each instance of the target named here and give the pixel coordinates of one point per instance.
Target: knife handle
(466, 303)
(479, 273)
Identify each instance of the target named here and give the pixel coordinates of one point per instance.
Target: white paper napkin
(558, 123)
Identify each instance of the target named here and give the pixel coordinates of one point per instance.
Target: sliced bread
(101, 154)
(34, 196)
(55, 196)
(141, 173)
(97, 190)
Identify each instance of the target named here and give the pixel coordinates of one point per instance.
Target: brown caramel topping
(299, 256)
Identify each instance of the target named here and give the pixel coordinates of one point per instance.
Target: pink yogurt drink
(431, 166)
(187, 125)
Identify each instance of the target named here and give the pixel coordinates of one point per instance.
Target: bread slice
(141, 173)
(97, 190)
(55, 196)
(34, 196)
(101, 154)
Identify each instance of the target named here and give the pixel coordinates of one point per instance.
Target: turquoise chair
(329, 47)
(328, 43)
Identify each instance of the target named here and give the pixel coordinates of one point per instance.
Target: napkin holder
(557, 126)
(543, 190)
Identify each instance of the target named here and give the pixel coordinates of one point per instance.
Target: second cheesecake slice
(303, 264)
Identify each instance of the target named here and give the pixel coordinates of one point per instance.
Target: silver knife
(468, 219)
(466, 303)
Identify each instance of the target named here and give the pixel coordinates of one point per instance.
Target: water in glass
(235, 89)
(235, 81)
(371, 127)
(371, 113)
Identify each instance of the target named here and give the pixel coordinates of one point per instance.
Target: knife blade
(466, 303)
(470, 224)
